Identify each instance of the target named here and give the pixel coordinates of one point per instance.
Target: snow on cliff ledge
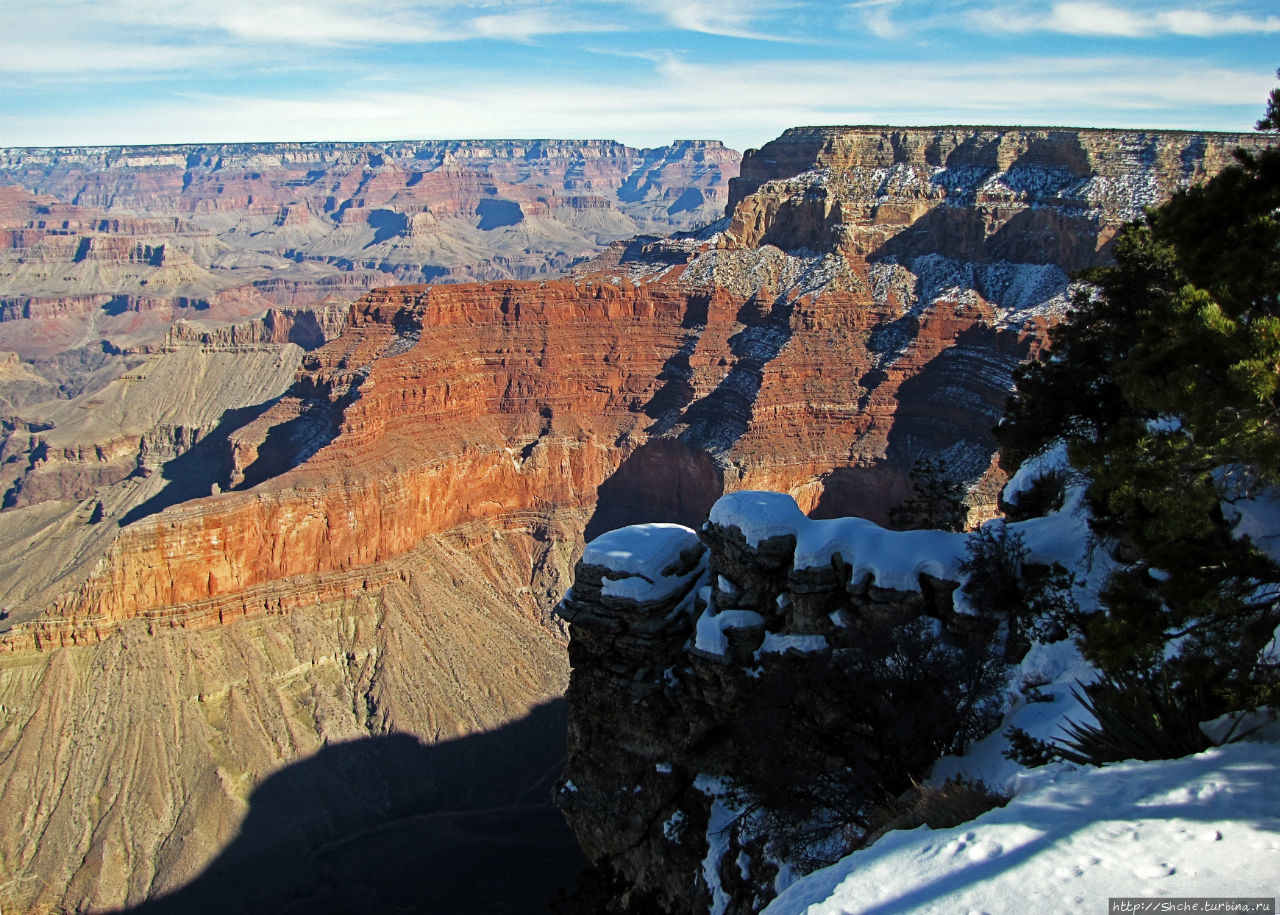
(893, 559)
(642, 555)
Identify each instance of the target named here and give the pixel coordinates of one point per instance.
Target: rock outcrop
(457, 441)
(716, 673)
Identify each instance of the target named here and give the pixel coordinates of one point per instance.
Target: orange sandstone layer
(470, 403)
(477, 404)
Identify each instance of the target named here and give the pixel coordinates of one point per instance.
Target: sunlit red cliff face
(561, 405)
(386, 539)
(153, 300)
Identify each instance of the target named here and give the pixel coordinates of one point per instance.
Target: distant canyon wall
(301, 223)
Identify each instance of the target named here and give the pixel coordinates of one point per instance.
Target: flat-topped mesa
(260, 155)
(678, 185)
(309, 326)
(1008, 190)
(103, 234)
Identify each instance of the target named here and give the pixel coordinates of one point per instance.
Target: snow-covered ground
(1073, 837)
(1203, 826)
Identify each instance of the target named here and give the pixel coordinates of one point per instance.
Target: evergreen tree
(936, 501)
(1271, 120)
(1165, 381)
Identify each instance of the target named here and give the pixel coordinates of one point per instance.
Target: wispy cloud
(877, 17)
(126, 34)
(1101, 19)
(752, 102)
(523, 25)
(727, 18)
(103, 71)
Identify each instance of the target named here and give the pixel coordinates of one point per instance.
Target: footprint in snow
(1152, 870)
(984, 850)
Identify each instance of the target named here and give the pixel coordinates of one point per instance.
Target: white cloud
(77, 56)
(319, 24)
(1089, 18)
(522, 25)
(743, 103)
(1205, 25)
(876, 16)
(727, 18)
(71, 35)
(684, 91)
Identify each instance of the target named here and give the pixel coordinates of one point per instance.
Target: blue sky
(641, 71)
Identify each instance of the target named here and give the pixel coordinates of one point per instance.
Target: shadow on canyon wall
(949, 408)
(192, 474)
(389, 824)
(677, 479)
(663, 480)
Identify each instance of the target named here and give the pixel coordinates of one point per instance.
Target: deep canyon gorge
(302, 443)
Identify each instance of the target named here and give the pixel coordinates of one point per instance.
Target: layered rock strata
(158, 759)
(484, 427)
(711, 362)
(298, 223)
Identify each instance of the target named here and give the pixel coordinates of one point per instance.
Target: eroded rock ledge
(679, 642)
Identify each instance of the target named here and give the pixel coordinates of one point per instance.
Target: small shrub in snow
(957, 800)
(1029, 687)
(994, 583)
(1052, 611)
(1029, 751)
(1035, 601)
(994, 566)
(1046, 494)
(831, 734)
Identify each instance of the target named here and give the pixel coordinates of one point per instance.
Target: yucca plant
(1136, 719)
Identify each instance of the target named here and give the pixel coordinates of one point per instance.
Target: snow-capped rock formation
(674, 638)
(673, 632)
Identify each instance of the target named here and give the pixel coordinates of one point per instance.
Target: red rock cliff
(840, 327)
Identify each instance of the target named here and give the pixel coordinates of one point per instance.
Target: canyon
(313, 519)
(152, 297)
